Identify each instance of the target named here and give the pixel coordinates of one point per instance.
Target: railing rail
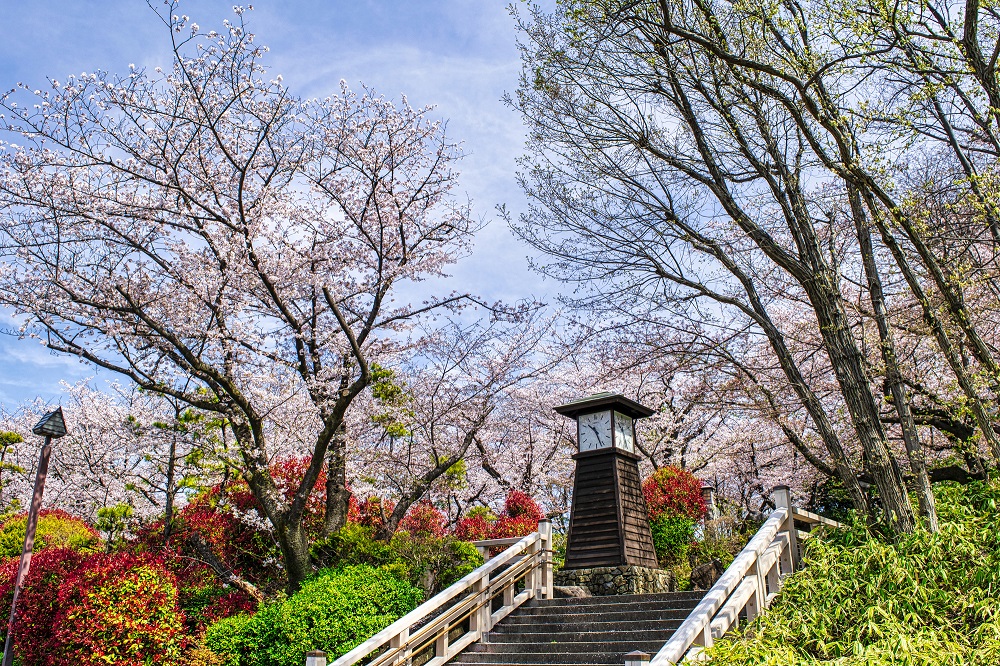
(440, 628)
(748, 586)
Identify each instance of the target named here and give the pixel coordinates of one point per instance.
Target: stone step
(562, 646)
(607, 658)
(607, 609)
(570, 616)
(660, 634)
(555, 628)
(617, 599)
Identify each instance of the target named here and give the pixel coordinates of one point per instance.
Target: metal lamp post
(52, 426)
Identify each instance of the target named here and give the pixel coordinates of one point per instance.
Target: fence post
(316, 658)
(782, 498)
(545, 578)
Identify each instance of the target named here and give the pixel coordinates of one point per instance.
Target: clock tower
(608, 525)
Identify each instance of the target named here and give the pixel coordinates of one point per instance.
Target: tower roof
(599, 401)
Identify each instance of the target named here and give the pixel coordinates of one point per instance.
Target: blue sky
(459, 55)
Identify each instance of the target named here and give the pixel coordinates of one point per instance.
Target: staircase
(591, 630)
(504, 613)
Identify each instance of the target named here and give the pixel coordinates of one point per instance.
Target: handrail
(747, 586)
(528, 558)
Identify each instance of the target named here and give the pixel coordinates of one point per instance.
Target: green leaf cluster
(333, 611)
(909, 599)
(430, 563)
(672, 536)
(55, 529)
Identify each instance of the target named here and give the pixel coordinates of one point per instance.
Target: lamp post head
(51, 425)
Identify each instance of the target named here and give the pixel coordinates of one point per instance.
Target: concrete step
(570, 617)
(608, 609)
(566, 647)
(554, 628)
(607, 658)
(618, 599)
(662, 635)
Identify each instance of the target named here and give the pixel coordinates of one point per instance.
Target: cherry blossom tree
(124, 447)
(209, 236)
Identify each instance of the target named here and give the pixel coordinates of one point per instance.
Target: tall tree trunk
(856, 389)
(893, 376)
(294, 545)
(338, 496)
(965, 382)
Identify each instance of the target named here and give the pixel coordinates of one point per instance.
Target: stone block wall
(602, 581)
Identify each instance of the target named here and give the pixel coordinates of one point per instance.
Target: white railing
(748, 586)
(437, 630)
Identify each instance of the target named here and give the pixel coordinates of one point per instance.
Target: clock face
(595, 431)
(624, 434)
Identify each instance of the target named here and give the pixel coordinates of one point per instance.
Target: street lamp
(51, 426)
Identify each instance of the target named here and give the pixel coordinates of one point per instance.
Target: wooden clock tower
(608, 525)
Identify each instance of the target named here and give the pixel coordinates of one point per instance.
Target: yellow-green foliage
(55, 529)
(868, 600)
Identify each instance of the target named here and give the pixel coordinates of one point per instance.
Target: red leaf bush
(474, 528)
(101, 610)
(672, 491)
(522, 505)
(39, 600)
(423, 519)
(520, 518)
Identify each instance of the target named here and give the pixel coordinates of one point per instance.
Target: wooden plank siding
(608, 524)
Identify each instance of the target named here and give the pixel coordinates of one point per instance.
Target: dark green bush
(434, 563)
(863, 599)
(333, 611)
(672, 536)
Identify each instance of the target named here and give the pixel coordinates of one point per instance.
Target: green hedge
(868, 600)
(333, 611)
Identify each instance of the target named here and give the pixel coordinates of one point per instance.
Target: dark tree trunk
(893, 376)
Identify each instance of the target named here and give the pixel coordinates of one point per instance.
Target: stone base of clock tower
(606, 581)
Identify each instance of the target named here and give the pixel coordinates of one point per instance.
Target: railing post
(782, 498)
(316, 658)
(637, 658)
(545, 543)
(480, 619)
(399, 641)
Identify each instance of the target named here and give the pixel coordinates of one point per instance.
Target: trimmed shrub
(522, 505)
(333, 611)
(474, 528)
(431, 563)
(423, 519)
(672, 536)
(675, 492)
(119, 609)
(55, 529)
(39, 601)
